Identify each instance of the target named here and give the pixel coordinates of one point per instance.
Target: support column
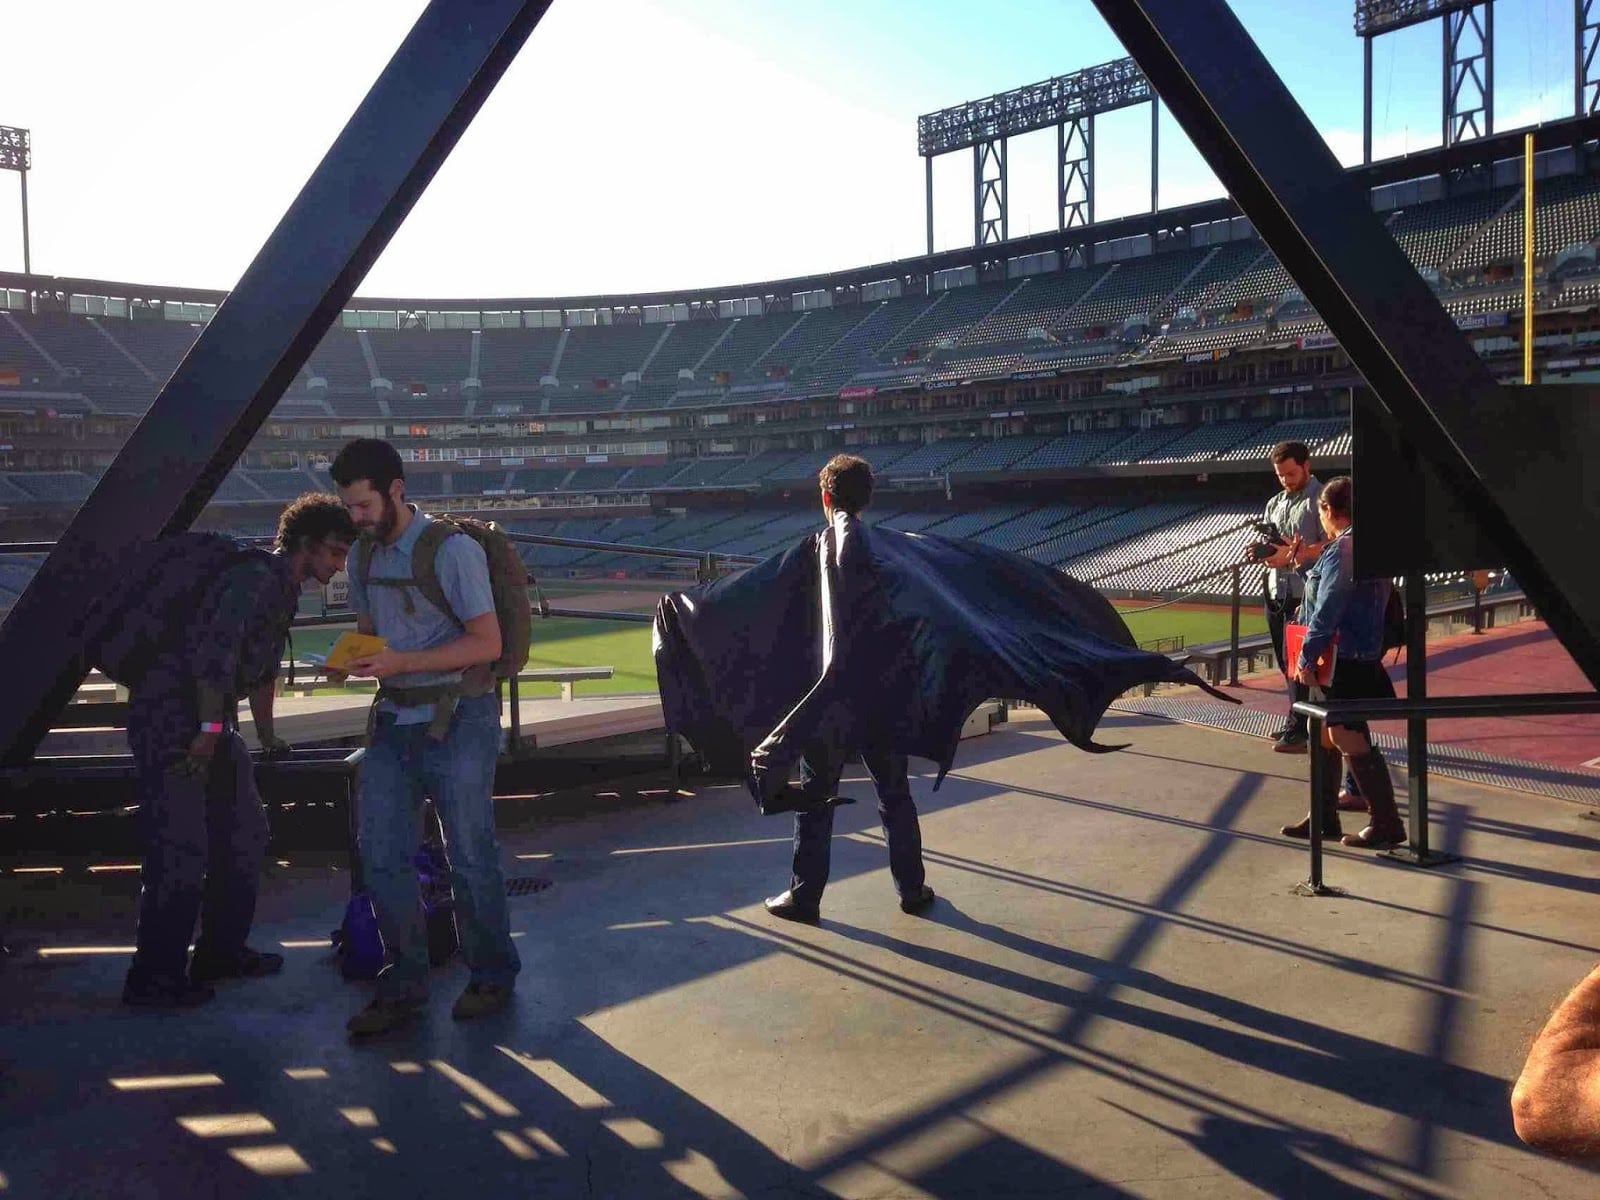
(27, 258)
(1366, 100)
(1586, 37)
(989, 224)
(929, 161)
(1468, 55)
(1073, 142)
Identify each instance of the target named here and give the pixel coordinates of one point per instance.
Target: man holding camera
(1292, 518)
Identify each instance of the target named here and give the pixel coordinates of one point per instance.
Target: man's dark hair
(1298, 451)
(312, 517)
(1336, 495)
(848, 479)
(372, 459)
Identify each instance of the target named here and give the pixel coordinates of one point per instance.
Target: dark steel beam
(261, 336)
(1274, 163)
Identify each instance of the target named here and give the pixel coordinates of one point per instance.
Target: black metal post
(1366, 99)
(1488, 69)
(1477, 610)
(1233, 632)
(1320, 803)
(1088, 152)
(1446, 61)
(258, 340)
(1417, 853)
(516, 715)
(27, 257)
(929, 161)
(1061, 179)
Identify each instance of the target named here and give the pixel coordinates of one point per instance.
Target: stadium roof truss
(1506, 462)
(1067, 102)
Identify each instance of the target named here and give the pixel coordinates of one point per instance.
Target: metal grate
(1450, 762)
(527, 885)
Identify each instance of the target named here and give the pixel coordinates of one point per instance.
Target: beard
(383, 528)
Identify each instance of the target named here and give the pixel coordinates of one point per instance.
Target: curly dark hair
(310, 518)
(848, 479)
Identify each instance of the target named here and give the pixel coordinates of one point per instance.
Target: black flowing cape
(866, 636)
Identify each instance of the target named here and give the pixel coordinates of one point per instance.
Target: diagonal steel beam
(261, 336)
(1277, 167)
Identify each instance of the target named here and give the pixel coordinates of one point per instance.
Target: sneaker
(382, 1016)
(479, 1000)
(920, 902)
(247, 964)
(173, 994)
(1296, 742)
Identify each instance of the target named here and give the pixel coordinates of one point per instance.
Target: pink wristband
(210, 726)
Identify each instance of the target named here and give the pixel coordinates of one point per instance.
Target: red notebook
(1294, 637)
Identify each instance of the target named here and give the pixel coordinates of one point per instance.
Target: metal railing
(1322, 713)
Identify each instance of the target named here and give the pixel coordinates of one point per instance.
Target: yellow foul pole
(1527, 260)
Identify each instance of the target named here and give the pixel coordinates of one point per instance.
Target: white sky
(634, 144)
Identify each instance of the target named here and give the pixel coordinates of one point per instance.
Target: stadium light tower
(16, 154)
(1068, 102)
(1468, 29)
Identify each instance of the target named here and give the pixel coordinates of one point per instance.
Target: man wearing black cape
(867, 639)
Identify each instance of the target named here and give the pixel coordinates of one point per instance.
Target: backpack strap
(424, 573)
(424, 565)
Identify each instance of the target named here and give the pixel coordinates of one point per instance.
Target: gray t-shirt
(1291, 513)
(463, 571)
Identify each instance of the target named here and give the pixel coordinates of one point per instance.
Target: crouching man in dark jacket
(198, 646)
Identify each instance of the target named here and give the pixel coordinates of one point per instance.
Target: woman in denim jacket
(1338, 604)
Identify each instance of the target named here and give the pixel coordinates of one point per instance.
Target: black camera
(1271, 541)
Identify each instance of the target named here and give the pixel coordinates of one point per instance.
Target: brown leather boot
(1331, 764)
(1372, 777)
(1350, 798)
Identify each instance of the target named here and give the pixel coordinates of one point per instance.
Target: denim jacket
(1338, 603)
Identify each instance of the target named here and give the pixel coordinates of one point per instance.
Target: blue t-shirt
(463, 571)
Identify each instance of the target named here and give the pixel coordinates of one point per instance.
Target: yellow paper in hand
(350, 648)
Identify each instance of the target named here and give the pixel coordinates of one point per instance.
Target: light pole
(16, 154)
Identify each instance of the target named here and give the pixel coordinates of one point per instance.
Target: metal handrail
(1443, 708)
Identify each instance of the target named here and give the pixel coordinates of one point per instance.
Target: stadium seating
(995, 454)
(1042, 302)
(594, 478)
(1072, 450)
(1568, 213)
(1431, 233)
(686, 345)
(651, 474)
(1206, 441)
(747, 341)
(930, 458)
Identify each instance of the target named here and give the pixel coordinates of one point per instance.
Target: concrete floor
(1116, 995)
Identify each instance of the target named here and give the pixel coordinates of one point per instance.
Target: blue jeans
(401, 766)
(204, 838)
(813, 831)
